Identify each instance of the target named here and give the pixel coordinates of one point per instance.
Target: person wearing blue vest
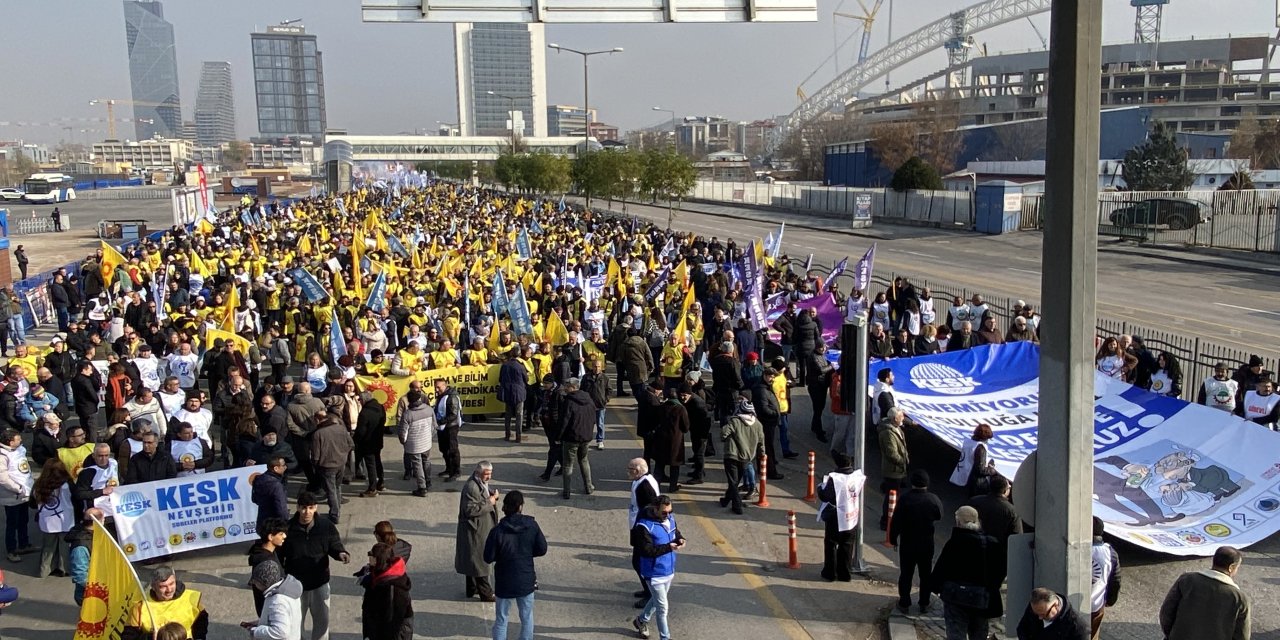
(656, 539)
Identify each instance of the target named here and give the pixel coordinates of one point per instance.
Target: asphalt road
(1230, 300)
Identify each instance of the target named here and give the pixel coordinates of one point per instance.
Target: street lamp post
(674, 137)
(586, 95)
(511, 113)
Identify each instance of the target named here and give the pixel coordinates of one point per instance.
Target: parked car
(11, 193)
(1174, 213)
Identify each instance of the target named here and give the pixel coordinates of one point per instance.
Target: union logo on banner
(942, 379)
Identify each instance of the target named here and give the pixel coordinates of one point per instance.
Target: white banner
(185, 514)
(1169, 475)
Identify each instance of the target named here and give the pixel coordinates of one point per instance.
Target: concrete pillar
(1064, 475)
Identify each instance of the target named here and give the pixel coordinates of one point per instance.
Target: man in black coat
(85, 387)
(911, 532)
(769, 415)
(511, 548)
(577, 426)
(272, 416)
(786, 325)
(726, 381)
(807, 337)
(699, 429)
(817, 384)
(270, 494)
(150, 464)
(1050, 616)
(310, 542)
(512, 391)
(368, 440)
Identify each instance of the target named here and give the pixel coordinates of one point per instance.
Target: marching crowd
(264, 337)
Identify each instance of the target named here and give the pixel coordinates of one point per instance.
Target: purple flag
(862, 271)
(828, 314)
(836, 271)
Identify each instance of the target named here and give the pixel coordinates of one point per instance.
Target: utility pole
(1064, 469)
(586, 88)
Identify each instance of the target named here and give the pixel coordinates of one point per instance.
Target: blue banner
(519, 312)
(522, 245)
(311, 288)
(397, 247)
(378, 293)
(1168, 475)
(753, 288)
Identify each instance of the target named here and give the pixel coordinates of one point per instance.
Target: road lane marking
(1223, 304)
(1034, 273)
(790, 625)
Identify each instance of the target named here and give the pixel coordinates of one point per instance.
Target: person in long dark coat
(699, 429)
(668, 440)
(370, 423)
(648, 402)
(968, 558)
(386, 611)
(477, 516)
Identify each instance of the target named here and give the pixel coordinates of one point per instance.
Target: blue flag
(777, 243)
(466, 299)
(808, 263)
(659, 284)
(519, 312)
(522, 245)
(501, 302)
(378, 293)
(560, 207)
(397, 247)
(311, 288)
(337, 345)
(536, 228)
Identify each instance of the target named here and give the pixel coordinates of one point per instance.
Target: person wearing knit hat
(282, 605)
(911, 532)
(966, 559)
(743, 437)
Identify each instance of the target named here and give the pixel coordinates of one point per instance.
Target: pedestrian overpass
(411, 149)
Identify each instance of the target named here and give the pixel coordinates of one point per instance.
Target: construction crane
(1146, 24)
(1044, 43)
(111, 111)
(867, 18)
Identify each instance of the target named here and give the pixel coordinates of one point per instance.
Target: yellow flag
(241, 344)
(556, 333)
(592, 351)
(111, 258)
(684, 312)
(199, 265)
(229, 314)
(613, 276)
(681, 278)
(113, 594)
(304, 246)
(357, 250)
(324, 234)
(204, 227)
(381, 240)
(339, 287)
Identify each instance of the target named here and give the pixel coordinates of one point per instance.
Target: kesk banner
(185, 514)
(477, 387)
(1169, 475)
(112, 592)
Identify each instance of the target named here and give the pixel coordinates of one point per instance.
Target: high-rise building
(215, 105)
(153, 70)
(508, 60)
(567, 120)
(288, 80)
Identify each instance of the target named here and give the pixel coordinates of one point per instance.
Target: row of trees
(661, 173)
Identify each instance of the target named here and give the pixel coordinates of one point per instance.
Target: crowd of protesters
(206, 348)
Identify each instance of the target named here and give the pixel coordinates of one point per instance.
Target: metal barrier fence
(946, 209)
(1195, 354)
(1245, 220)
(157, 193)
(27, 226)
(89, 185)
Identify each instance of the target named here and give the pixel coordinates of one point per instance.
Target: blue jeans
(17, 329)
(784, 424)
(524, 606)
(657, 607)
(64, 318)
(600, 425)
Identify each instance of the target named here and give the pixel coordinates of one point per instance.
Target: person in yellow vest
(26, 358)
(782, 389)
(169, 600)
(445, 356)
(408, 361)
(477, 354)
(542, 360)
(452, 325)
(673, 354)
(75, 451)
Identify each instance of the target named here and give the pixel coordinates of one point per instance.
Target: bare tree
(941, 143)
(894, 143)
(1243, 144)
(1020, 140)
(807, 146)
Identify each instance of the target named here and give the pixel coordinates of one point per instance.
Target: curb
(901, 628)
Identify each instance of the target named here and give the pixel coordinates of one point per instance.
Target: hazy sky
(388, 78)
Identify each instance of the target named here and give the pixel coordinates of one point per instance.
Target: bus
(49, 187)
